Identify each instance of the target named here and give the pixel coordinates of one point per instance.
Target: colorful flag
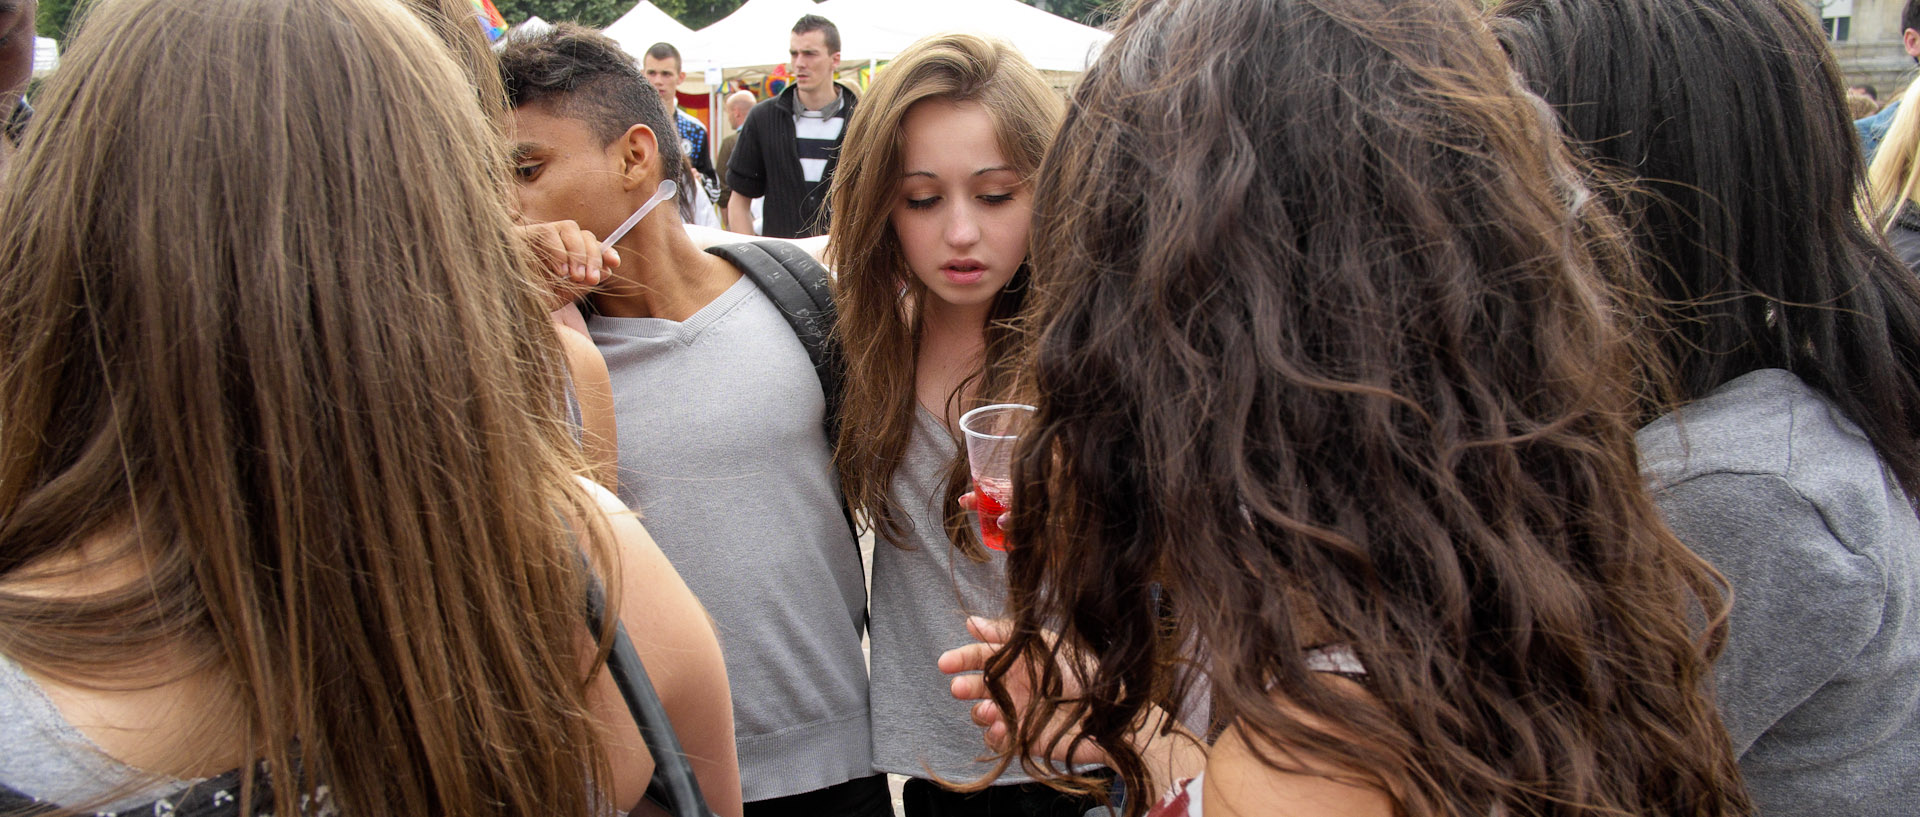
(490, 19)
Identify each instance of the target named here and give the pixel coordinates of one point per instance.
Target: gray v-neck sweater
(724, 454)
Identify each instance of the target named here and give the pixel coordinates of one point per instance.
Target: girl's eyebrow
(981, 172)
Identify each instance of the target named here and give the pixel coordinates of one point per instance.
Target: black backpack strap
(673, 787)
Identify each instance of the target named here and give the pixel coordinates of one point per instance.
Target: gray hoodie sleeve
(1804, 604)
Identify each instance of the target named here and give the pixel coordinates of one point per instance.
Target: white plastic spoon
(665, 191)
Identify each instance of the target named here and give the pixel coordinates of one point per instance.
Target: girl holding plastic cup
(931, 206)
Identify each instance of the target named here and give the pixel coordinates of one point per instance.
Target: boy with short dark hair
(720, 418)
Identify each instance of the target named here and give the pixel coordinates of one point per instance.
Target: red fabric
(1177, 802)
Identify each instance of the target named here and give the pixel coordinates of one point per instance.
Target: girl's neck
(952, 348)
(953, 324)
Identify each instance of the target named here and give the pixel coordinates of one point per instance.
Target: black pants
(925, 799)
(860, 797)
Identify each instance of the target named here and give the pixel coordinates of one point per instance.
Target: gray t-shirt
(1820, 683)
(723, 452)
(44, 757)
(921, 599)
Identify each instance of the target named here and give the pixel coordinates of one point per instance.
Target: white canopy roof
(1049, 41)
(754, 36)
(645, 24)
(46, 55)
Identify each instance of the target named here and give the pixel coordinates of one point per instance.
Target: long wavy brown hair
(878, 329)
(267, 337)
(1328, 356)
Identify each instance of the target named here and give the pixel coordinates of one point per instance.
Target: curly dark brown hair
(1331, 353)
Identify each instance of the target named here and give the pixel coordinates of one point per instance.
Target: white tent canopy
(46, 55)
(645, 24)
(1050, 42)
(756, 35)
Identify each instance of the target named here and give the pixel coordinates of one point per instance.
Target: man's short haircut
(586, 76)
(666, 51)
(815, 22)
(1910, 17)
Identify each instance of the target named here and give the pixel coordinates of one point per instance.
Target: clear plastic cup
(991, 432)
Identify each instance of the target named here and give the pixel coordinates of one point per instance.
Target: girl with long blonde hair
(1893, 181)
(290, 518)
(931, 206)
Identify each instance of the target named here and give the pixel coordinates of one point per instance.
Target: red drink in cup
(990, 498)
(991, 432)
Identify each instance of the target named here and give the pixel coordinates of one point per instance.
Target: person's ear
(1911, 39)
(640, 158)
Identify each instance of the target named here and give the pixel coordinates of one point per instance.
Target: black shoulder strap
(673, 787)
(799, 286)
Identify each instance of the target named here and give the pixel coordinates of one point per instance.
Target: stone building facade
(1866, 40)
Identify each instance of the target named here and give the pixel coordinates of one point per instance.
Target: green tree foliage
(698, 14)
(55, 17)
(593, 13)
(1091, 12)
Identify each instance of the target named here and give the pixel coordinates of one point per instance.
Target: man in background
(790, 144)
(738, 105)
(661, 66)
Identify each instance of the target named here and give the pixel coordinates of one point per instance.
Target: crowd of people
(1505, 410)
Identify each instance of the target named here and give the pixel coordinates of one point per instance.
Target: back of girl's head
(870, 265)
(1326, 356)
(1728, 122)
(266, 330)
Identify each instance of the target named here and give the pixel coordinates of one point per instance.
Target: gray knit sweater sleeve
(1820, 682)
(1805, 606)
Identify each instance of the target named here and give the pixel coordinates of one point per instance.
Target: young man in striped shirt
(790, 144)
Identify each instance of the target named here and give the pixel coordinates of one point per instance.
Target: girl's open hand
(965, 663)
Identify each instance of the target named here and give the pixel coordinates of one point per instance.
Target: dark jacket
(766, 164)
(1904, 237)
